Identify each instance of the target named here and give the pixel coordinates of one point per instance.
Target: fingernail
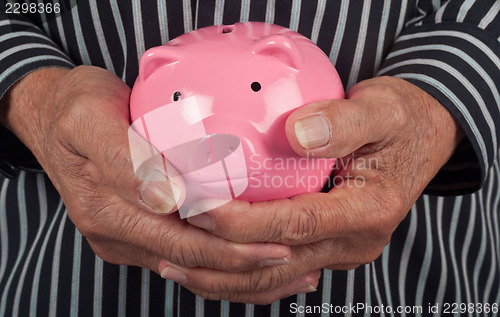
(274, 262)
(202, 221)
(169, 273)
(159, 192)
(305, 289)
(312, 132)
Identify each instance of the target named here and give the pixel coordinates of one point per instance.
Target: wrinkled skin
(392, 139)
(76, 123)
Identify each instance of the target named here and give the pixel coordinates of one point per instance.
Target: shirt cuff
(459, 65)
(24, 48)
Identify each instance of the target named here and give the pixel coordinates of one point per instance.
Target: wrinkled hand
(76, 123)
(392, 139)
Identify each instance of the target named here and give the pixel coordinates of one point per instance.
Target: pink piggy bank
(214, 103)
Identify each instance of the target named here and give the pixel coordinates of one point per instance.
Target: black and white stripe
(446, 251)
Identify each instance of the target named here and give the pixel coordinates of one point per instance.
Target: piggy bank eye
(176, 96)
(256, 86)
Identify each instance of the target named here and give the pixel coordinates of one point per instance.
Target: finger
(338, 254)
(168, 237)
(116, 252)
(307, 284)
(336, 128)
(249, 287)
(353, 207)
(153, 182)
(304, 285)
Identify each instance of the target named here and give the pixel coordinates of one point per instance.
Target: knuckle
(106, 253)
(118, 156)
(302, 224)
(363, 254)
(259, 281)
(130, 226)
(252, 281)
(386, 87)
(345, 115)
(185, 255)
(88, 227)
(394, 203)
(270, 282)
(84, 213)
(72, 118)
(220, 286)
(399, 114)
(215, 288)
(69, 118)
(235, 264)
(389, 210)
(276, 228)
(373, 253)
(395, 99)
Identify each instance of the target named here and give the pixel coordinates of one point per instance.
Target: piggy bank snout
(211, 159)
(221, 146)
(212, 167)
(208, 150)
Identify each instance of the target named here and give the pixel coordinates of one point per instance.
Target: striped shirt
(446, 251)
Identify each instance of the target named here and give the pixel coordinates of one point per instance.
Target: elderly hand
(76, 123)
(391, 138)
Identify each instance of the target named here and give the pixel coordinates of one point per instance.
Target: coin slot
(227, 29)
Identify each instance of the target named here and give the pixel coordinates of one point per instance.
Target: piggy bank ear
(157, 57)
(280, 46)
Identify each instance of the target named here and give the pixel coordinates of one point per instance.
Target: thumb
(161, 187)
(133, 168)
(332, 128)
(129, 164)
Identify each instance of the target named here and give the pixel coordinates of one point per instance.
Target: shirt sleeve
(24, 47)
(453, 53)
